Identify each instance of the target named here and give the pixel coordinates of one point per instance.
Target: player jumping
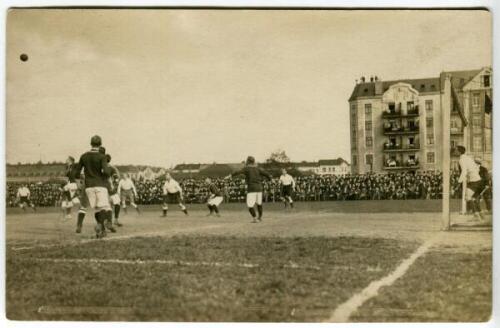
(214, 197)
(253, 177)
(97, 172)
(287, 188)
(172, 193)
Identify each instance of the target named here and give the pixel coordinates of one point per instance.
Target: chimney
(371, 78)
(362, 79)
(378, 86)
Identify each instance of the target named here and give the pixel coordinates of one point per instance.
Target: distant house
(337, 166)
(307, 167)
(187, 168)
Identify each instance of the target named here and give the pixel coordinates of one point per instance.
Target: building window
(487, 140)
(410, 105)
(477, 143)
(368, 126)
(430, 138)
(369, 141)
(429, 109)
(455, 124)
(475, 99)
(368, 111)
(354, 160)
(429, 122)
(476, 124)
(369, 159)
(486, 81)
(430, 157)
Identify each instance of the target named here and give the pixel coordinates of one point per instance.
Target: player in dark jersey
(214, 197)
(254, 177)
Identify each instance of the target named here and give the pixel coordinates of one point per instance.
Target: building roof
(367, 89)
(333, 162)
(458, 79)
(216, 170)
(305, 164)
(187, 167)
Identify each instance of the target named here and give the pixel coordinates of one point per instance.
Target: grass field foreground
(286, 279)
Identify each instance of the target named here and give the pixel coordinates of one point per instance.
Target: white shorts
(215, 201)
(66, 204)
(254, 198)
(98, 198)
(115, 199)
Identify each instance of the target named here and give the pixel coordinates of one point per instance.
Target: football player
(287, 184)
(127, 192)
(24, 198)
(254, 177)
(214, 197)
(172, 193)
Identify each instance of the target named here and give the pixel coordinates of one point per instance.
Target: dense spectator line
(404, 185)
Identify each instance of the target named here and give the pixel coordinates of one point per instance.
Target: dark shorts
(174, 198)
(286, 191)
(24, 200)
(476, 186)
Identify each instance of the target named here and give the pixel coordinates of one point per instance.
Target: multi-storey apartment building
(397, 125)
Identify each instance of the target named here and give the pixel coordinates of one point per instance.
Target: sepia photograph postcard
(248, 165)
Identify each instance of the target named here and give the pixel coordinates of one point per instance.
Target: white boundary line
(346, 309)
(165, 262)
(116, 237)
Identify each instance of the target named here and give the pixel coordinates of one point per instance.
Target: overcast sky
(169, 86)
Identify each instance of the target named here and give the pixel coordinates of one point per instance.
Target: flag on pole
(488, 105)
(456, 105)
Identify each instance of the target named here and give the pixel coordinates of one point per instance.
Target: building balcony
(456, 131)
(400, 131)
(404, 167)
(399, 113)
(400, 148)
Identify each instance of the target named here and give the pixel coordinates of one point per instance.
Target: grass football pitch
(295, 266)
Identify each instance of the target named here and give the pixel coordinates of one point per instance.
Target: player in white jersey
(69, 198)
(287, 184)
(127, 191)
(24, 198)
(172, 193)
(72, 196)
(470, 174)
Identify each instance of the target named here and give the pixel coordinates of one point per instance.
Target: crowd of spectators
(403, 185)
(42, 194)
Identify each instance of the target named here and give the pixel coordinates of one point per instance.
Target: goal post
(446, 152)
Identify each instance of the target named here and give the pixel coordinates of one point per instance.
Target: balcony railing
(394, 113)
(456, 131)
(397, 165)
(396, 148)
(405, 130)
